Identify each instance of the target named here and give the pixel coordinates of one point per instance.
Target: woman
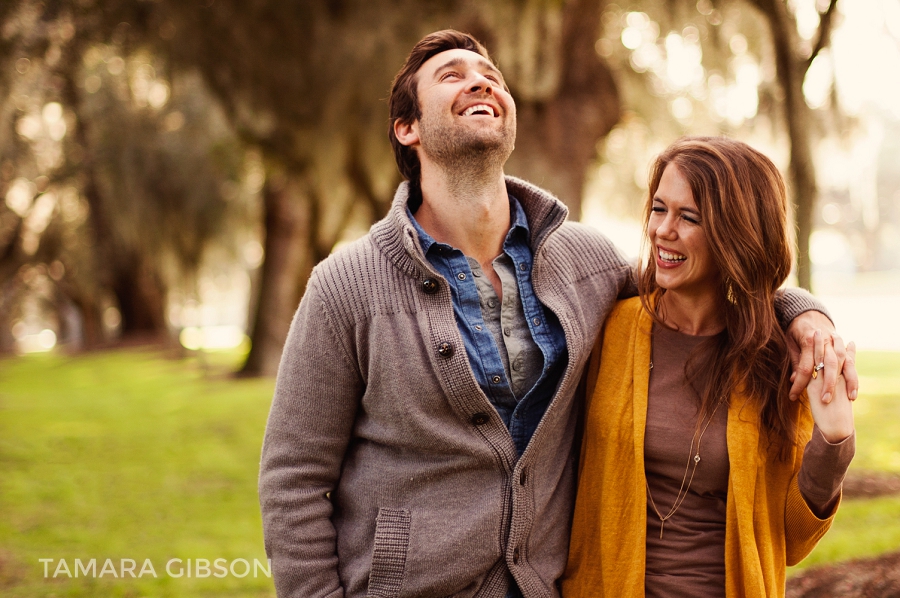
(698, 475)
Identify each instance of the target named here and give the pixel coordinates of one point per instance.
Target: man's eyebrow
(459, 61)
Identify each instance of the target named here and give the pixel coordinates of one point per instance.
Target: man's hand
(811, 341)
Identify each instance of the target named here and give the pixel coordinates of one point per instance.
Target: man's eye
(448, 75)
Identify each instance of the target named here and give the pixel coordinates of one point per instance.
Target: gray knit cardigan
(385, 470)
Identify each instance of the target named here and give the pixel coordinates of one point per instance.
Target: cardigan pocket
(389, 555)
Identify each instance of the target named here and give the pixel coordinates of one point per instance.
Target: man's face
(467, 111)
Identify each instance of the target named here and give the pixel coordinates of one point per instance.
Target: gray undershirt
(522, 358)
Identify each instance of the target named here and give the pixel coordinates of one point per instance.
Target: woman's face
(684, 263)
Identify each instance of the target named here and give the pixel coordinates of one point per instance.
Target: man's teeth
(671, 257)
(479, 108)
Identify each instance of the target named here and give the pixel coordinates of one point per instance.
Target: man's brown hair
(403, 103)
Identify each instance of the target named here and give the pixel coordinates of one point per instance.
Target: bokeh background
(172, 170)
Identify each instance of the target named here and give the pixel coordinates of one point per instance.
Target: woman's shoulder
(627, 320)
(626, 309)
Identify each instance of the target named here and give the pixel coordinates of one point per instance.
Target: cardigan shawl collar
(396, 237)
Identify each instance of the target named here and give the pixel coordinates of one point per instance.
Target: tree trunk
(134, 278)
(289, 260)
(798, 118)
(85, 330)
(141, 295)
(557, 137)
(791, 67)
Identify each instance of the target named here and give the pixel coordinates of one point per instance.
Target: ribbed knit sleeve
(802, 527)
(316, 398)
(790, 303)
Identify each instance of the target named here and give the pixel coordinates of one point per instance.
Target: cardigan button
(430, 286)
(445, 350)
(516, 556)
(522, 478)
(479, 419)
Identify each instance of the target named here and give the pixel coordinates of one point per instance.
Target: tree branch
(826, 24)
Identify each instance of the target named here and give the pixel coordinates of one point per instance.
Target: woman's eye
(690, 219)
(658, 209)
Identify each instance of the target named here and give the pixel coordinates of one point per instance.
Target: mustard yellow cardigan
(768, 524)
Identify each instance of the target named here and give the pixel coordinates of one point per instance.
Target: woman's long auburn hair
(743, 212)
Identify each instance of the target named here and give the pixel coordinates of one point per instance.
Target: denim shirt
(520, 416)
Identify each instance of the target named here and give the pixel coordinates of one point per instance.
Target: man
(420, 441)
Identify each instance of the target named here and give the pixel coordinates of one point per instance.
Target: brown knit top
(689, 559)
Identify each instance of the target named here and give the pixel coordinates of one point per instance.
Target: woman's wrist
(837, 435)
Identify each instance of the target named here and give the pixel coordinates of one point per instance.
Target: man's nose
(482, 83)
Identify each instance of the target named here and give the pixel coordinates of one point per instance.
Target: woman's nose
(666, 228)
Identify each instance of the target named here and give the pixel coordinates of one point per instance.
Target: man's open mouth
(480, 109)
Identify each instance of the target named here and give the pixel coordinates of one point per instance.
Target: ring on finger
(818, 368)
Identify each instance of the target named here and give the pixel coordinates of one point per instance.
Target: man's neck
(470, 214)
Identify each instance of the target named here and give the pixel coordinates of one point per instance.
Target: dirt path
(877, 577)
(870, 484)
(867, 578)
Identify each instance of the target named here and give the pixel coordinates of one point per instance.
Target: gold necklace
(682, 491)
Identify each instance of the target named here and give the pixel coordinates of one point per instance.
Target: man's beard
(465, 154)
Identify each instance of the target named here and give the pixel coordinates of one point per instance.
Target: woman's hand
(834, 418)
(807, 349)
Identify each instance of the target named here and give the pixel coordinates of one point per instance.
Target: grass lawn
(869, 527)
(130, 455)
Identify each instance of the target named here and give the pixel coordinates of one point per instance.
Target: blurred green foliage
(862, 528)
(878, 414)
(128, 455)
(869, 527)
(135, 454)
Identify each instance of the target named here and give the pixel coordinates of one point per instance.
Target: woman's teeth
(671, 257)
